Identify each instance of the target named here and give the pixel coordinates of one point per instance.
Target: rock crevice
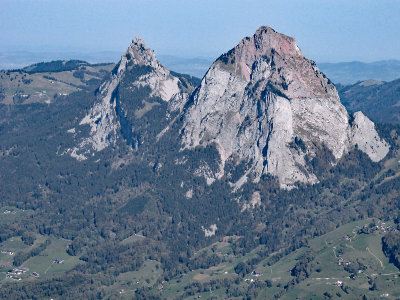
(261, 95)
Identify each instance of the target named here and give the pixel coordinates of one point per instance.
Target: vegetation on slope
(380, 101)
(125, 210)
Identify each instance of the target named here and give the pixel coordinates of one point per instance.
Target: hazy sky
(325, 30)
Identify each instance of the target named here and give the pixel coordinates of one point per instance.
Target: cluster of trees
(97, 205)
(28, 238)
(55, 66)
(21, 256)
(303, 266)
(72, 285)
(391, 247)
(233, 287)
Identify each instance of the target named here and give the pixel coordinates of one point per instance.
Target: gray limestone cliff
(268, 104)
(102, 117)
(262, 102)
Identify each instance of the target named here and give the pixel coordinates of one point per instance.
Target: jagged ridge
(107, 115)
(260, 97)
(262, 101)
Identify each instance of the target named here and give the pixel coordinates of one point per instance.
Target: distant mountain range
(380, 101)
(342, 72)
(196, 66)
(352, 72)
(21, 59)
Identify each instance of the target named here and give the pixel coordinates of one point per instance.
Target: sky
(326, 31)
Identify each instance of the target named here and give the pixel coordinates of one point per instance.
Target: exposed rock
(189, 194)
(367, 139)
(266, 102)
(262, 101)
(205, 171)
(211, 231)
(102, 118)
(161, 82)
(255, 201)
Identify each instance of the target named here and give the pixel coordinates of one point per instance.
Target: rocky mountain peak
(268, 104)
(277, 58)
(137, 40)
(265, 42)
(138, 84)
(262, 103)
(139, 54)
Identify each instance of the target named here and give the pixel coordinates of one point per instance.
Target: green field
(44, 263)
(370, 271)
(9, 214)
(127, 283)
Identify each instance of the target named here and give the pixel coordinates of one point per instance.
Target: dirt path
(381, 263)
(45, 272)
(334, 252)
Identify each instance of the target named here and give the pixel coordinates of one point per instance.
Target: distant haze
(351, 72)
(20, 59)
(343, 72)
(329, 31)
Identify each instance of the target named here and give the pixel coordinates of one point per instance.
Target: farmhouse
(58, 261)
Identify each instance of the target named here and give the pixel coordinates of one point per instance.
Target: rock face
(105, 117)
(367, 139)
(268, 104)
(262, 102)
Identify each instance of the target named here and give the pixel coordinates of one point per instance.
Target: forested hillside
(380, 101)
(102, 202)
(130, 186)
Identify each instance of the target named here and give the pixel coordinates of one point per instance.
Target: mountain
(262, 101)
(341, 72)
(380, 101)
(352, 72)
(154, 184)
(138, 88)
